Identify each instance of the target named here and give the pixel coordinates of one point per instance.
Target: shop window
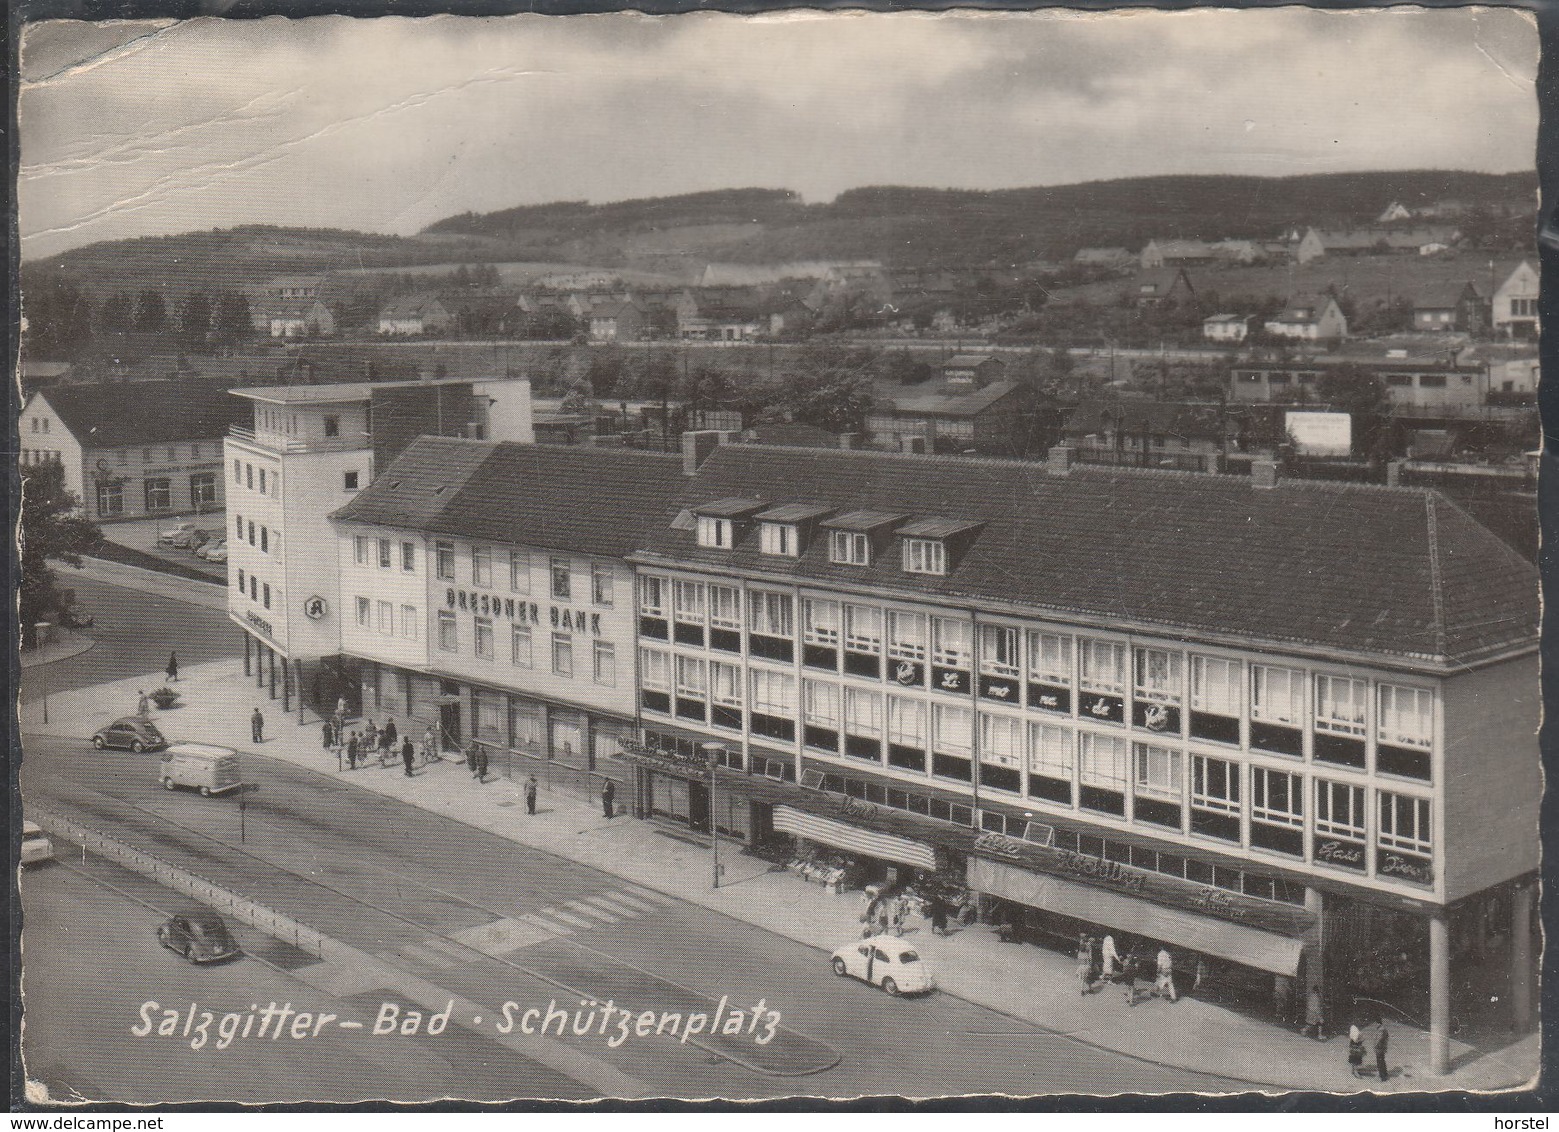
(603, 656)
(1339, 720)
(1158, 689)
(1158, 786)
(655, 681)
(481, 566)
(772, 703)
(1277, 810)
(907, 734)
(820, 707)
(863, 641)
(771, 625)
(444, 560)
(849, 548)
(1050, 762)
(562, 579)
(110, 499)
(863, 724)
(1404, 731)
(820, 634)
(562, 654)
(1215, 699)
(602, 584)
(652, 606)
(687, 600)
(1277, 710)
(520, 647)
(952, 731)
(1339, 825)
(1102, 773)
(1215, 798)
(203, 489)
(1001, 752)
(159, 494)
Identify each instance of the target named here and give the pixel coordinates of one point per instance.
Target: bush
(164, 697)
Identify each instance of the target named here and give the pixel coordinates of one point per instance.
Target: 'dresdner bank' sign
(1320, 434)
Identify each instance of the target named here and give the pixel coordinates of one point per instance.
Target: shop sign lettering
(559, 617)
(1216, 900)
(1110, 708)
(259, 623)
(950, 680)
(1347, 854)
(909, 673)
(1049, 698)
(1415, 869)
(856, 808)
(1112, 871)
(999, 688)
(999, 844)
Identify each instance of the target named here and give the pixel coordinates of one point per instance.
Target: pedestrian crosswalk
(512, 933)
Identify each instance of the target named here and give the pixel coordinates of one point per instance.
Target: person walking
(408, 755)
(429, 751)
(327, 735)
(1111, 959)
(257, 726)
(1382, 1043)
(900, 912)
(1165, 983)
(1314, 1019)
(143, 706)
(481, 763)
(609, 796)
(1355, 1051)
(1085, 961)
(390, 734)
(351, 751)
(173, 667)
(370, 740)
(530, 795)
(938, 912)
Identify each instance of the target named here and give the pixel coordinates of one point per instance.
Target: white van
(205, 766)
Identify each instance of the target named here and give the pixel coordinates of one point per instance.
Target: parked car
(132, 733)
(36, 845)
(885, 961)
(199, 538)
(201, 937)
(183, 538)
(217, 553)
(210, 546)
(167, 535)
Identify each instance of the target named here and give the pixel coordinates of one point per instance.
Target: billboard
(1320, 434)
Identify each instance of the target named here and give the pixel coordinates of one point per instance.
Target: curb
(37, 658)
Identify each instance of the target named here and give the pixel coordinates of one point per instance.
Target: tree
(59, 316)
(53, 529)
(1362, 395)
(232, 321)
(151, 316)
(830, 388)
(194, 319)
(117, 315)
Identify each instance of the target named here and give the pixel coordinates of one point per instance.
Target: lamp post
(712, 753)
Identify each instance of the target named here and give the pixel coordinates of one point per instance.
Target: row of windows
(157, 494)
(560, 572)
(384, 553)
(1229, 701)
(165, 454)
(256, 589)
(846, 548)
(521, 646)
(380, 615)
(260, 536)
(34, 456)
(244, 476)
(277, 421)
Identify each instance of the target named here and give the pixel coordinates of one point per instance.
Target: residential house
(1313, 318)
(1175, 253)
(941, 416)
(1226, 327)
(1110, 259)
(1394, 213)
(975, 370)
(1147, 432)
(1235, 251)
(414, 315)
(1515, 303)
(297, 318)
(139, 450)
(614, 320)
(1450, 308)
(1166, 286)
(1318, 243)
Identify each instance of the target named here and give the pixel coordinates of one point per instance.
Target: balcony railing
(275, 443)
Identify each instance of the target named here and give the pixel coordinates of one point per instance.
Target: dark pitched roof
(933, 398)
(124, 415)
(588, 500)
(1393, 572)
(1174, 418)
(792, 435)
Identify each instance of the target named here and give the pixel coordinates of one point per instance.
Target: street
(487, 921)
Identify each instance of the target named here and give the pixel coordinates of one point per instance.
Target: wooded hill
(912, 227)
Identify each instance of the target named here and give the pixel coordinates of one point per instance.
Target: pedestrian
(1111, 959)
(938, 915)
(327, 735)
(1382, 1041)
(173, 667)
(143, 706)
(900, 912)
(530, 795)
(1314, 1025)
(608, 797)
(408, 754)
(1165, 983)
(481, 763)
(390, 733)
(351, 751)
(370, 739)
(1355, 1050)
(884, 914)
(257, 726)
(427, 746)
(1085, 961)
(340, 709)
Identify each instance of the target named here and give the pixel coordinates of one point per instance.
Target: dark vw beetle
(201, 937)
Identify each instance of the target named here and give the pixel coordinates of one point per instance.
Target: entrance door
(449, 725)
(698, 805)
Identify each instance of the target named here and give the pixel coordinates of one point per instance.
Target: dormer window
(849, 548)
(716, 532)
(779, 538)
(925, 556)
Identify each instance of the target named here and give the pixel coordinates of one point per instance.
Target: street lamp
(712, 753)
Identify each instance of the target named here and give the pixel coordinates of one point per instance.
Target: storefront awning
(854, 839)
(1252, 947)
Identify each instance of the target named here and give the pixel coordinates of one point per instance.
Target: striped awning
(854, 839)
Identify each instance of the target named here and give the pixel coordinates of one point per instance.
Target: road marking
(545, 924)
(590, 908)
(570, 918)
(443, 947)
(621, 903)
(502, 936)
(654, 898)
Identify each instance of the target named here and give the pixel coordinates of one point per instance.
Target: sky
(387, 125)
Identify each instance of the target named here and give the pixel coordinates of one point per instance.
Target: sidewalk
(66, 644)
(1028, 982)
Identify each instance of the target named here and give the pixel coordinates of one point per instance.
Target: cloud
(389, 124)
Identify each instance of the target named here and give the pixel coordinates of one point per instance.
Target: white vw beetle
(885, 961)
